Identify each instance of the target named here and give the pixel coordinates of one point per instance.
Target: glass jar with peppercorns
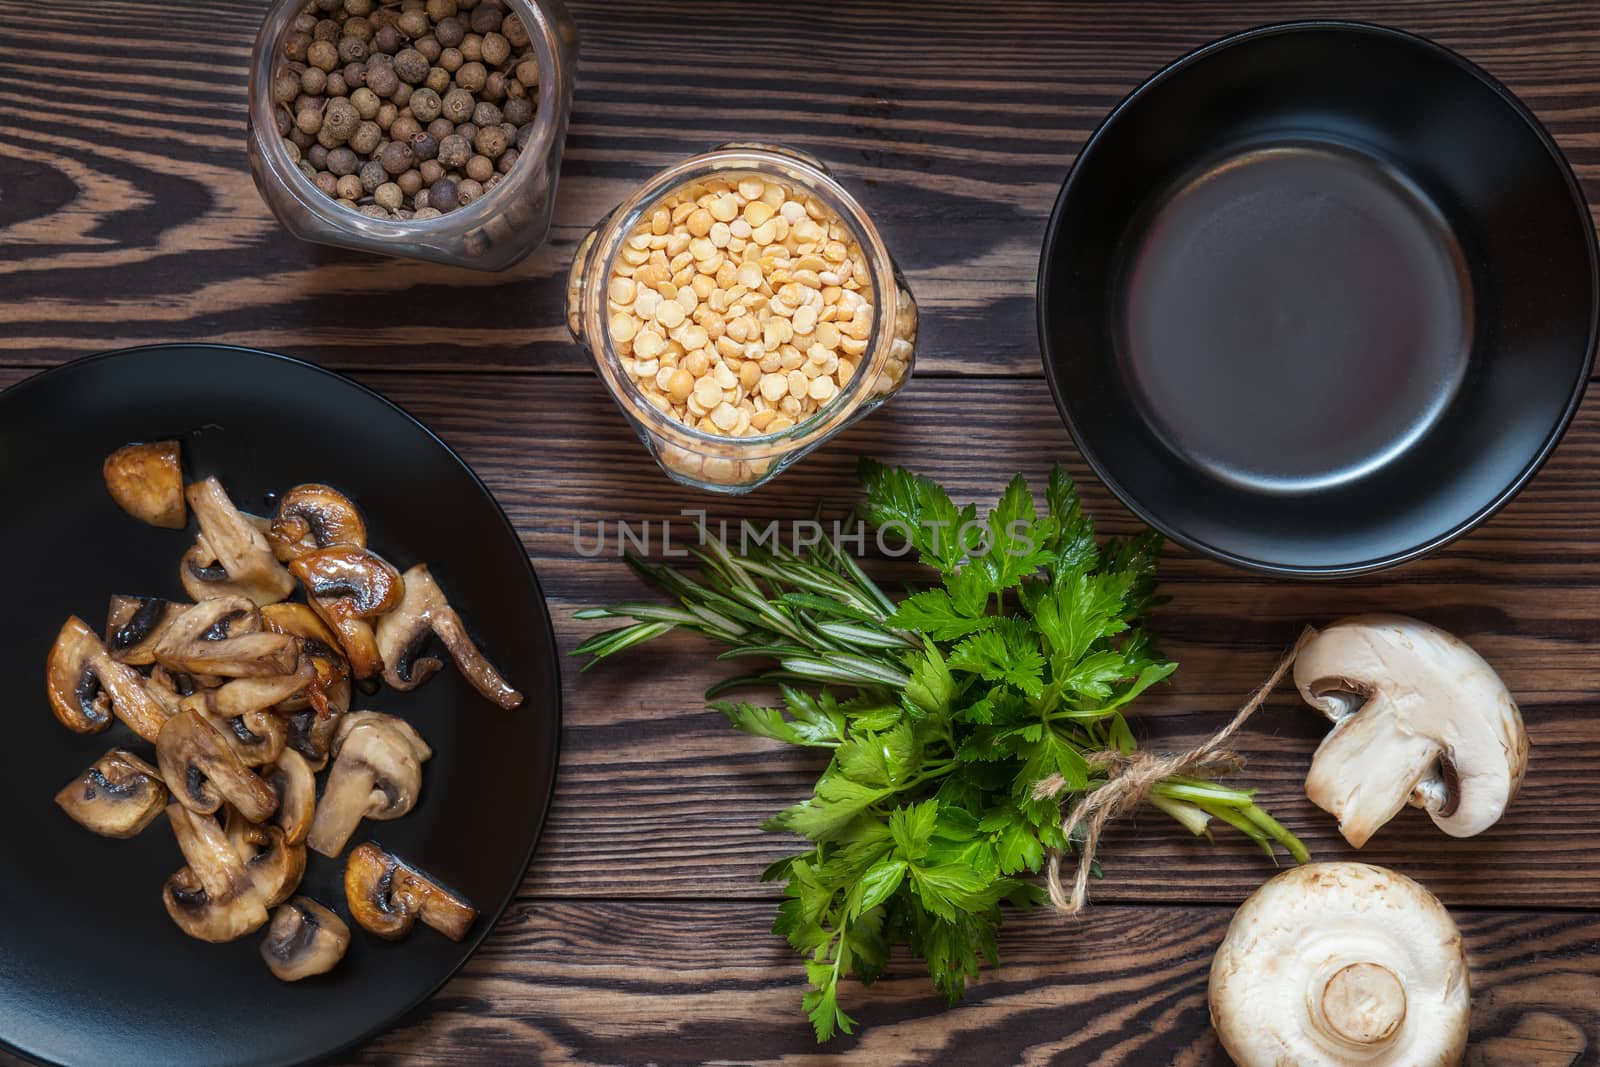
(424, 128)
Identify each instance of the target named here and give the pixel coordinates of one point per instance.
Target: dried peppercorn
(406, 97)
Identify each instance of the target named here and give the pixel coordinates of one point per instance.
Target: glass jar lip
(781, 163)
(451, 225)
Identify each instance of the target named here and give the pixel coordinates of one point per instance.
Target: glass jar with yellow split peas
(742, 309)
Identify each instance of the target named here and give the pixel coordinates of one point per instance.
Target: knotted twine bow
(1129, 780)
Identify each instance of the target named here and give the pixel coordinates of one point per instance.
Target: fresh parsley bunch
(941, 713)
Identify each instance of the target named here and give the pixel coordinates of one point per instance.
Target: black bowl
(1318, 298)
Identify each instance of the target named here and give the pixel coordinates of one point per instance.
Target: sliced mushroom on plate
(404, 634)
(387, 896)
(1419, 718)
(347, 585)
(241, 562)
(242, 696)
(146, 481)
(274, 866)
(222, 636)
(377, 774)
(258, 738)
(292, 779)
(133, 626)
(87, 687)
(118, 796)
(305, 939)
(213, 898)
(202, 770)
(311, 734)
(314, 516)
(319, 646)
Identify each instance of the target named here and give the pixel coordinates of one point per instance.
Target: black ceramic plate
(1318, 298)
(92, 971)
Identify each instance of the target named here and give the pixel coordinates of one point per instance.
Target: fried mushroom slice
(133, 626)
(202, 770)
(222, 636)
(314, 516)
(404, 634)
(240, 559)
(87, 687)
(274, 866)
(146, 481)
(305, 939)
(377, 774)
(213, 898)
(295, 783)
(258, 738)
(311, 733)
(118, 796)
(347, 585)
(387, 896)
(319, 647)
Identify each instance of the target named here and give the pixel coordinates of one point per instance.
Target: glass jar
(713, 461)
(494, 231)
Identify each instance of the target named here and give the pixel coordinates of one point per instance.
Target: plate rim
(475, 943)
(1482, 513)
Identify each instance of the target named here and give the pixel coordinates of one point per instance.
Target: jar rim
(783, 164)
(265, 61)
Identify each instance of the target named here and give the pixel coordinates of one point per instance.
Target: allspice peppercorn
(405, 109)
(396, 157)
(411, 66)
(322, 55)
(442, 195)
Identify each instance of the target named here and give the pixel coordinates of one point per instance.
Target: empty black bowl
(1318, 298)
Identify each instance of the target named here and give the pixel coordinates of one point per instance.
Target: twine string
(1129, 780)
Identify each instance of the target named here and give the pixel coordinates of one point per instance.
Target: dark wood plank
(586, 983)
(592, 983)
(128, 215)
(658, 797)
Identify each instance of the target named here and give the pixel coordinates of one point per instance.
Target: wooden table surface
(127, 216)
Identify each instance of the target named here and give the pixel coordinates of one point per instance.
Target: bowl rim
(1150, 516)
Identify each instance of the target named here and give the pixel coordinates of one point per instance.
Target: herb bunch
(941, 713)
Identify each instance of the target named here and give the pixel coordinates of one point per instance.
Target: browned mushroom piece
(319, 647)
(311, 733)
(347, 585)
(242, 696)
(118, 796)
(274, 866)
(305, 939)
(258, 738)
(387, 896)
(377, 774)
(231, 556)
(146, 481)
(87, 687)
(213, 898)
(133, 626)
(312, 517)
(222, 636)
(404, 635)
(202, 770)
(295, 783)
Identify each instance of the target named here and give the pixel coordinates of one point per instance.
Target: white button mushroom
(1418, 717)
(1341, 963)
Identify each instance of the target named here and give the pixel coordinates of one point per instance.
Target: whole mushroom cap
(1341, 963)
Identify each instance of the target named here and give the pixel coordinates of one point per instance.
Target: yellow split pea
(740, 305)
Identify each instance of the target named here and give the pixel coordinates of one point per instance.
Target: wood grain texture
(127, 214)
(586, 983)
